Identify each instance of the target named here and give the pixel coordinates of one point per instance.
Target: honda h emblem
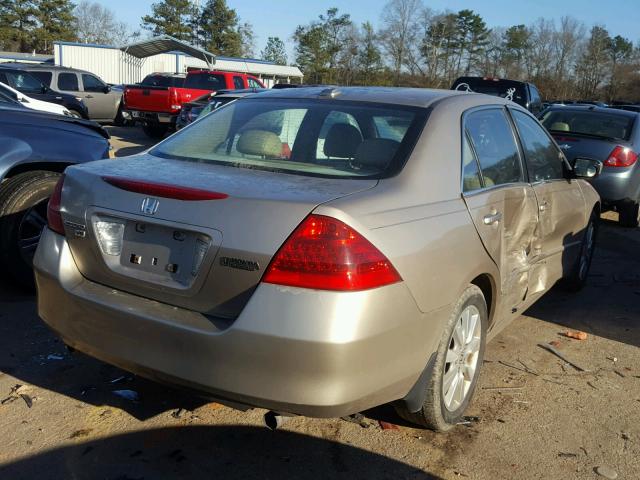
(150, 206)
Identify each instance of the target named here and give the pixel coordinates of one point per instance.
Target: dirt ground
(534, 416)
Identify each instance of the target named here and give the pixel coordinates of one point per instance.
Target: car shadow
(195, 452)
(609, 304)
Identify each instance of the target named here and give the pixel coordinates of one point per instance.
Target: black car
(35, 148)
(191, 111)
(523, 93)
(26, 83)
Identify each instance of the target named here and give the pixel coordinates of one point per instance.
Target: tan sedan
(319, 251)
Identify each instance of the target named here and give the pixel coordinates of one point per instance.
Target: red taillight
(326, 254)
(54, 218)
(621, 157)
(164, 190)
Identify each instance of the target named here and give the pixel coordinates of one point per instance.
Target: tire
(629, 215)
(119, 120)
(75, 113)
(580, 271)
(155, 131)
(439, 412)
(23, 215)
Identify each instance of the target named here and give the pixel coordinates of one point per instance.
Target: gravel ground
(534, 416)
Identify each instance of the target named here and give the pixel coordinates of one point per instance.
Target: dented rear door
(502, 204)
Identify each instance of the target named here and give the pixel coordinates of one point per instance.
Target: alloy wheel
(461, 362)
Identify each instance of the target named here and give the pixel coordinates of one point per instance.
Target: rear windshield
(587, 122)
(307, 137)
(21, 81)
(508, 90)
(205, 81)
(162, 81)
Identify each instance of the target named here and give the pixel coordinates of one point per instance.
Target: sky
(279, 18)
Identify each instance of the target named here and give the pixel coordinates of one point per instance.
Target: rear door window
(205, 81)
(542, 157)
(68, 82)
(238, 82)
(471, 179)
(495, 145)
(253, 83)
(44, 77)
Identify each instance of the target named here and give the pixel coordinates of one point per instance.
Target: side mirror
(587, 168)
(106, 89)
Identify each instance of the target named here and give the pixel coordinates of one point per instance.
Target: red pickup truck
(157, 100)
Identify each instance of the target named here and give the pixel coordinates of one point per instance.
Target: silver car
(319, 251)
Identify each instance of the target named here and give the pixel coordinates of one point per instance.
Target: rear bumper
(305, 352)
(618, 185)
(153, 117)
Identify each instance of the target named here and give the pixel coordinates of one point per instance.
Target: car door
(560, 200)
(100, 100)
(501, 203)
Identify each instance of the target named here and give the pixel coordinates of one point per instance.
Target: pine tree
(171, 17)
(219, 29)
(55, 21)
(369, 57)
(275, 51)
(17, 22)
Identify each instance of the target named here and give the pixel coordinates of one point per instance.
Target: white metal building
(118, 66)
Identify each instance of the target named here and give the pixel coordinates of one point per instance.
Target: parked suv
(523, 93)
(13, 75)
(103, 102)
(611, 136)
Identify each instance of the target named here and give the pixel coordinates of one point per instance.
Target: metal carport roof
(167, 44)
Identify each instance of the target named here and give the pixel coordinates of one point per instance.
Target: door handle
(543, 205)
(89, 96)
(492, 218)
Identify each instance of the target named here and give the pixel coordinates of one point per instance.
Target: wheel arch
(57, 167)
(487, 284)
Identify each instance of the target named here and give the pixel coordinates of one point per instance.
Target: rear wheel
(629, 215)
(119, 119)
(155, 131)
(578, 277)
(23, 216)
(457, 365)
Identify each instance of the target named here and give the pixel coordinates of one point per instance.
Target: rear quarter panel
(418, 218)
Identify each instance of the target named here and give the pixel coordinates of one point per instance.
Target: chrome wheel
(587, 251)
(461, 362)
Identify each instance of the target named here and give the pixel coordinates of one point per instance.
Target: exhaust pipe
(274, 420)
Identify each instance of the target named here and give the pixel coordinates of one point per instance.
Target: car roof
(38, 66)
(418, 97)
(592, 108)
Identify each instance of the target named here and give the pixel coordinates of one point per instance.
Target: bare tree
(398, 33)
(566, 46)
(98, 24)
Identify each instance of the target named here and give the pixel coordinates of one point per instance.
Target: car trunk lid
(206, 255)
